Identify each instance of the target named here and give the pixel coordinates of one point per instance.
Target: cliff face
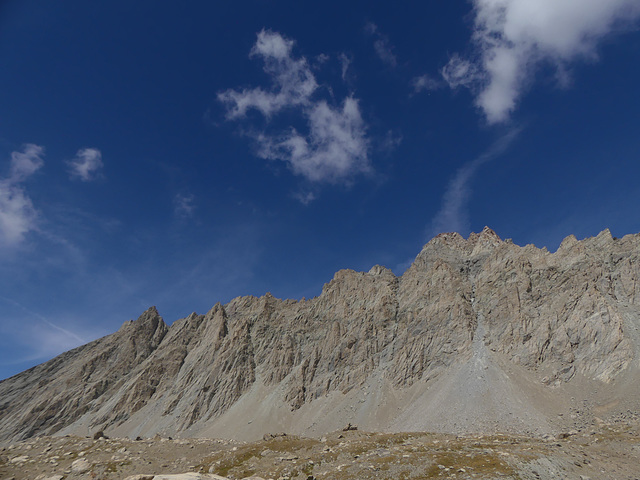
(520, 314)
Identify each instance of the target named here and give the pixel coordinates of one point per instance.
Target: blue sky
(154, 153)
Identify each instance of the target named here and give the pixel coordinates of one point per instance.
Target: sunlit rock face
(389, 353)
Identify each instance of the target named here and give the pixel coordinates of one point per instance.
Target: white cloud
(335, 147)
(17, 213)
(183, 205)
(513, 38)
(382, 45)
(425, 82)
(452, 216)
(86, 164)
(293, 81)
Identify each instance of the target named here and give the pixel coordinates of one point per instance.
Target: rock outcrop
(371, 349)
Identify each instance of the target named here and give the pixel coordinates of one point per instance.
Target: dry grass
(340, 456)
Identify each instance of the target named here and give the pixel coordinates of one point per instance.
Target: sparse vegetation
(352, 455)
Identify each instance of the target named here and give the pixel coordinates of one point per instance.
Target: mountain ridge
(386, 352)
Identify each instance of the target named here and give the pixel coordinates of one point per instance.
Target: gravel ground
(610, 451)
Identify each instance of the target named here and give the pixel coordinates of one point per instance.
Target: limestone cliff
(374, 348)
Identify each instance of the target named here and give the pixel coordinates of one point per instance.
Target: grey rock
(80, 466)
(481, 310)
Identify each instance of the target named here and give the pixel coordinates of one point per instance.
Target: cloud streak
(512, 39)
(453, 216)
(333, 149)
(31, 338)
(345, 63)
(382, 45)
(18, 216)
(73, 338)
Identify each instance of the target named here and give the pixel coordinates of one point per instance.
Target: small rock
(80, 466)
(269, 436)
(289, 458)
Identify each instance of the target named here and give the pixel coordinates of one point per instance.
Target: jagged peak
(152, 310)
(605, 235)
(601, 240)
(148, 320)
(484, 241)
(217, 310)
(487, 235)
(149, 316)
(448, 239)
(379, 270)
(453, 244)
(269, 298)
(568, 242)
(342, 274)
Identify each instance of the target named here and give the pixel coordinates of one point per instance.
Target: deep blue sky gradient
(139, 81)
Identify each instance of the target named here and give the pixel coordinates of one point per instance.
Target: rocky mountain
(478, 335)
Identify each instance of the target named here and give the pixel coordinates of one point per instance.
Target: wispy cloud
(26, 163)
(513, 38)
(453, 215)
(426, 82)
(32, 338)
(86, 165)
(391, 140)
(382, 45)
(305, 197)
(183, 205)
(74, 338)
(333, 149)
(18, 216)
(460, 72)
(345, 62)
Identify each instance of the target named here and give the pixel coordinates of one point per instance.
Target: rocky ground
(606, 451)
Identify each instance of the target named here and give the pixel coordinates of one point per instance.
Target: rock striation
(478, 334)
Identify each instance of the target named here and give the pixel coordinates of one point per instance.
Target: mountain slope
(478, 335)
